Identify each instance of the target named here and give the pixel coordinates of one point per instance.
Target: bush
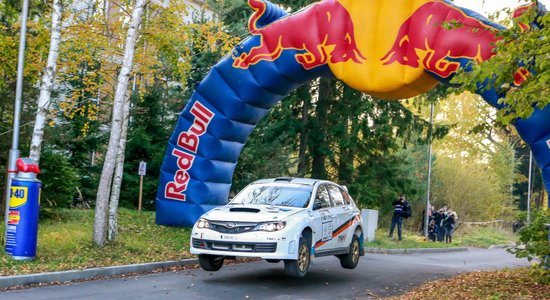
(534, 244)
(59, 180)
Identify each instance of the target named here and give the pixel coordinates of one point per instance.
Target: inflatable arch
(389, 49)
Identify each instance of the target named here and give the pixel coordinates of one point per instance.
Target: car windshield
(276, 195)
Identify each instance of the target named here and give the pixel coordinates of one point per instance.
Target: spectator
(449, 223)
(397, 218)
(439, 216)
(432, 235)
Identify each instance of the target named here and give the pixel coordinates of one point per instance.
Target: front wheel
(298, 268)
(351, 259)
(210, 262)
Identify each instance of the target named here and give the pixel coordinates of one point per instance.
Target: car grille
(232, 227)
(235, 246)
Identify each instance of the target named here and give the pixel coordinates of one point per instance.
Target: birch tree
(119, 171)
(104, 188)
(48, 78)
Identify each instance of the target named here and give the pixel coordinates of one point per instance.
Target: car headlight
(203, 223)
(270, 226)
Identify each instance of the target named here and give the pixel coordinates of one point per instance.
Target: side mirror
(317, 205)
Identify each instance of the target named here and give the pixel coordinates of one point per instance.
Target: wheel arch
(307, 232)
(359, 232)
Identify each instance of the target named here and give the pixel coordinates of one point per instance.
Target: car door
(323, 221)
(342, 217)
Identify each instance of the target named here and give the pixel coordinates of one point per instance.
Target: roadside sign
(142, 168)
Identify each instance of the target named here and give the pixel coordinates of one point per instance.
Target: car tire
(210, 262)
(273, 261)
(299, 267)
(351, 259)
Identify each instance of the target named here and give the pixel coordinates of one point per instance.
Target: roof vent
(244, 209)
(289, 179)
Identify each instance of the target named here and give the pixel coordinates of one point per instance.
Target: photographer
(397, 218)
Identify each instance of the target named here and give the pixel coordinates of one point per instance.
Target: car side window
(322, 199)
(347, 197)
(336, 195)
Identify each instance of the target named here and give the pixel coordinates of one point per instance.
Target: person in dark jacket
(449, 224)
(439, 216)
(397, 218)
(432, 235)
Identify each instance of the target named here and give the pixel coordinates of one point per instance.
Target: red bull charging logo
(334, 41)
(442, 33)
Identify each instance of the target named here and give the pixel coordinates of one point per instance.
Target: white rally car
(289, 219)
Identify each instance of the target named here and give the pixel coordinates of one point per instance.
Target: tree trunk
(119, 171)
(302, 158)
(46, 86)
(348, 136)
(104, 188)
(318, 145)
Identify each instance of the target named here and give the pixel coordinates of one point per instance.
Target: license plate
(228, 237)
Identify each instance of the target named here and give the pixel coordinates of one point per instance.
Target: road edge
(87, 274)
(413, 250)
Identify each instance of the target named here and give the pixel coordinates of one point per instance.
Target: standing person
(397, 218)
(449, 223)
(438, 220)
(431, 213)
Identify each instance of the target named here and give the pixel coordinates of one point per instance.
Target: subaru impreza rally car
(289, 219)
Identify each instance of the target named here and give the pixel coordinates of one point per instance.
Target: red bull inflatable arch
(390, 49)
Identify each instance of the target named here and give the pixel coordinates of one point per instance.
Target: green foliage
(469, 189)
(534, 243)
(82, 148)
(37, 41)
(269, 149)
(516, 47)
(59, 180)
(475, 164)
(147, 140)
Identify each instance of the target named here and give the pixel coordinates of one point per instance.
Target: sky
(486, 7)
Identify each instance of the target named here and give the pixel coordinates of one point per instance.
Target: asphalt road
(376, 275)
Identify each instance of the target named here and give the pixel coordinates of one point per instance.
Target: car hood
(251, 213)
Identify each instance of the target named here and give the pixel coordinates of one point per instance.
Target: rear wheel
(211, 262)
(299, 267)
(351, 259)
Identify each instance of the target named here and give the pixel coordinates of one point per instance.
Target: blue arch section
(213, 127)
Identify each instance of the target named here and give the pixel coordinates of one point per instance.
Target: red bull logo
(333, 42)
(520, 76)
(188, 140)
(520, 11)
(443, 34)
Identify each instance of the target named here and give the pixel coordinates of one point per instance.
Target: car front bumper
(265, 245)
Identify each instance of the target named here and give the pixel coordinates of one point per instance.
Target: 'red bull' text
(189, 141)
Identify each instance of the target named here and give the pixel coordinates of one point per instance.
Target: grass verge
(471, 237)
(506, 284)
(65, 243)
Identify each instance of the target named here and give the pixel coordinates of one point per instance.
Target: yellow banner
(18, 196)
